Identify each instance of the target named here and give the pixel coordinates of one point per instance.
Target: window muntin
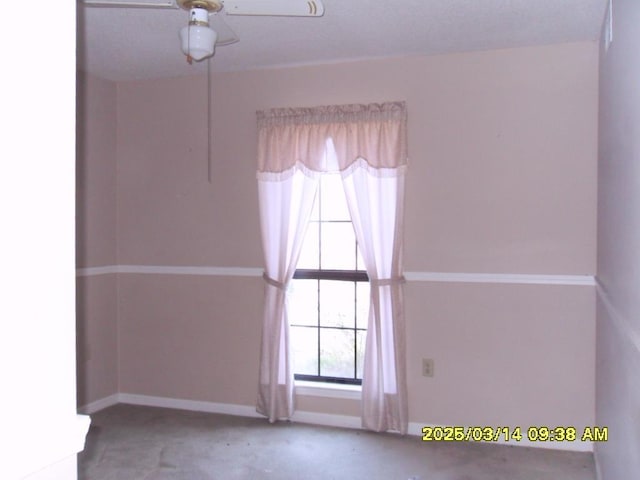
(329, 298)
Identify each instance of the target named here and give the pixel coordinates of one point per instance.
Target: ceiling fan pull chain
(189, 57)
(209, 129)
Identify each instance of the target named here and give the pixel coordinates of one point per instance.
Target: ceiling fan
(206, 27)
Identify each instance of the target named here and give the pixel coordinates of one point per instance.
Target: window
(370, 148)
(329, 297)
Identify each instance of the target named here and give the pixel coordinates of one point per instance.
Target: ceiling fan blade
(226, 36)
(130, 4)
(280, 8)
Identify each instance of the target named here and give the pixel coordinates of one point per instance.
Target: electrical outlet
(427, 367)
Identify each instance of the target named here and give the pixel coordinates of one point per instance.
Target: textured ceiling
(127, 44)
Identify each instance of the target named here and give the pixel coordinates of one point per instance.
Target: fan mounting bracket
(209, 5)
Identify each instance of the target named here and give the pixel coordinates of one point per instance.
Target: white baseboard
(193, 405)
(327, 419)
(99, 404)
(166, 402)
(314, 418)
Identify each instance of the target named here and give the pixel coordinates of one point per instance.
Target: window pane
(333, 204)
(362, 304)
(338, 246)
(336, 353)
(335, 349)
(303, 302)
(310, 254)
(337, 306)
(304, 350)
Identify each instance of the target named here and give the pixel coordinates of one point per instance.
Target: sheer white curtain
(286, 201)
(375, 199)
(371, 148)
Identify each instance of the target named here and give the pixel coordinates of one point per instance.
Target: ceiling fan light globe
(198, 41)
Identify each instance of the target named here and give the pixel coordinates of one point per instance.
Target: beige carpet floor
(128, 442)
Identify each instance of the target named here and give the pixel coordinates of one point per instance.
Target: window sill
(328, 390)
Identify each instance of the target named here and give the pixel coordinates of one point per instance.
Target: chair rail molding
(438, 277)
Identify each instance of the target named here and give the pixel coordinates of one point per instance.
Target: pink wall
(169, 214)
(502, 179)
(190, 337)
(499, 351)
(523, 121)
(96, 235)
(618, 330)
(95, 172)
(96, 337)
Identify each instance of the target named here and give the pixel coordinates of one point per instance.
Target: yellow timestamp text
(516, 434)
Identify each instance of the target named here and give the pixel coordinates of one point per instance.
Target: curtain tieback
(274, 283)
(385, 282)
